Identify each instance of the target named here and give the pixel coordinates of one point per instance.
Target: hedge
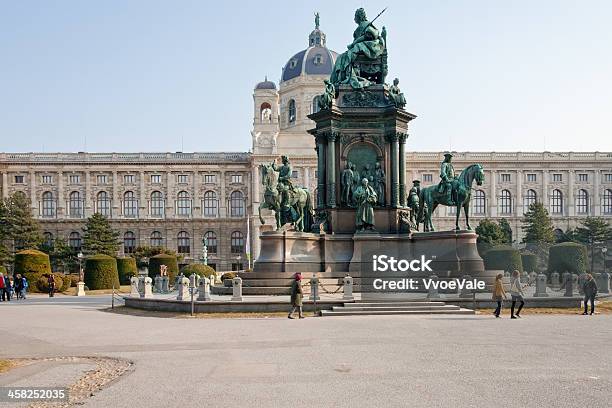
(31, 261)
(155, 262)
(3, 270)
(198, 269)
(567, 257)
(62, 283)
(101, 272)
(126, 267)
(530, 261)
(503, 258)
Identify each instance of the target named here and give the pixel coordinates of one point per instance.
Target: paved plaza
(383, 361)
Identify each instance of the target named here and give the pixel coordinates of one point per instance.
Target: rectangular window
(74, 179)
(608, 178)
(182, 179)
(236, 178)
(210, 178)
(19, 179)
(294, 174)
(505, 178)
(557, 177)
(101, 179)
(316, 174)
(47, 179)
(531, 178)
(583, 177)
(427, 178)
(128, 179)
(156, 179)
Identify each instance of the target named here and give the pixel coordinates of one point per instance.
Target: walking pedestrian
(18, 283)
(296, 296)
(589, 287)
(516, 291)
(2, 287)
(8, 287)
(51, 283)
(498, 293)
(24, 286)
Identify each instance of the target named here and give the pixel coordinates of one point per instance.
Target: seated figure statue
(369, 45)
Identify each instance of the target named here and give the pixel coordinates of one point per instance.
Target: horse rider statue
(284, 186)
(447, 176)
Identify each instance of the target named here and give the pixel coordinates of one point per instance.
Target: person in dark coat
(2, 287)
(18, 286)
(589, 287)
(51, 282)
(296, 296)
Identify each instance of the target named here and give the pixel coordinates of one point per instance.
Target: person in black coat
(589, 287)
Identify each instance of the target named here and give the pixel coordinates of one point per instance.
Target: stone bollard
(134, 284)
(204, 289)
(533, 277)
(347, 281)
(506, 274)
(541, 286)
(575, 278)
(147, 288)
(237, 289)
(603, 283)
(524, 278)
(183, 288)
(581, 280)
(158, 284)
(141, 283)
(554, 280)
(314, 288)
(165, 284)
(568, 283)
(432, 292)
(80, 289)
(465, 292)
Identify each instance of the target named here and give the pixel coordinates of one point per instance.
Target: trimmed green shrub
(567, 257)
(126, 267)
(42, 283)
(503, 258)
(101, 272)
(32, 261)
(227, 277)
(3, 270)
(530, 261)
(198, 269)
(163, 259)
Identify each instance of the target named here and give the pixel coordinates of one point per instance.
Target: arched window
(607, 202)
(558, 232)
(74, 240)
(582, 202)
(48, 204)
(130, 204)
(183, 203)
(291, 111)
(479, 202)
(210, 239)
(505, 202)
(75, 205)
(265, 112)
(530, 198)
(129, 242)
(48, 240)
(103, 204)
(315, 104)
(183, 244)
(210, 204)
(156, 239)
(556, 202)
(237, 242)
(237, 204)
(157, 204)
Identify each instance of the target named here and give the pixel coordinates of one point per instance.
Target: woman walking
(498, 293)
(296, 296)
(516, 291)
(51, 283)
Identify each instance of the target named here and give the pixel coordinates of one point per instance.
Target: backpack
(25, 283)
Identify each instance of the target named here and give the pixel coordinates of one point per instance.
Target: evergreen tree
(61, 255)
(99, 237)
(507, 230)
(491, 234)
(568, 236)
(537, 225)
(594, 232)
(22, 227)
(5, 253)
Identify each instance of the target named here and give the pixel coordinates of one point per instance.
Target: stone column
(402, 169)
(320, 172)
(519, 209)
(307, 177)
(222, 198)
(142, 205)
(571, 202)
(331, 169)
(116, 200)
(595, 196)
(88, 205)
(33, 201)
(493, 195)
(5, 186)
(393, 141)
(545, 176)
(169, 202)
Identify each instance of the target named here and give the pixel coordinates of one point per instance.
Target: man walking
(589, 288)
(2, 286)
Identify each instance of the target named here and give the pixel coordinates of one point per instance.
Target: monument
(361, 200)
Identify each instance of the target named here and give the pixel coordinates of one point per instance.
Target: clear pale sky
(126, 75)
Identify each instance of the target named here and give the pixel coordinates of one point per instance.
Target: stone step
(350, 312)
(261, 290)
(286, 282)
(395, 308)
(394, 304)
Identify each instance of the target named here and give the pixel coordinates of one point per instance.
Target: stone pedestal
(581, 279)
(204, 289)
(165, 284)
(465, 292)
(347, 283)
(541, 286)
(554, 280)
(183, 289)
(147, 288)
(158, 284)
(134, 286)
(237, 289)
(433, 293)
(568, 283)
(603, 283)
(80, 289)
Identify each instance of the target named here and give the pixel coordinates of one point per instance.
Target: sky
(149, 75)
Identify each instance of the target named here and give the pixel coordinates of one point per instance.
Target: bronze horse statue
(300, 212)
(430, 198)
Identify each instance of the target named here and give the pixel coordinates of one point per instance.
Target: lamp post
(204, 257)
(604, 249)
(80, 257)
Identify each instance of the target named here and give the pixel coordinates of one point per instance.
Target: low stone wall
(530, 302)
(183, 306)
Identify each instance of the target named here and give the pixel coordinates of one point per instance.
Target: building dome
(266, 85)
(317, 59)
